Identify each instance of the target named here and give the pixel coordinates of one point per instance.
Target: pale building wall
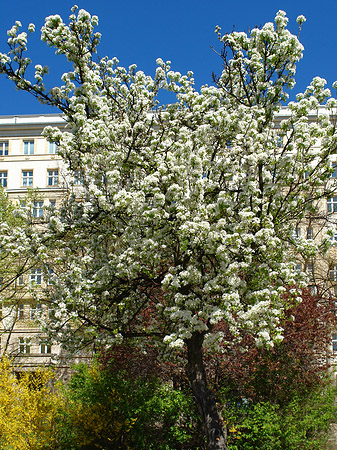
(20, 335)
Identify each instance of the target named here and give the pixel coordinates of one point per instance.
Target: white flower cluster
(185, 217)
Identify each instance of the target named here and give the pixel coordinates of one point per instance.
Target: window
(38, 209)
(309, 269)
(3, 148)
(279, 141)
(36, 276)
(297, 233)
(27, 178)
(45, 348)
(21, 312)
(310, 233)
(78, 177)
(50, 276)
(333, 273)
(51, 313)
(35, 311)
(333, 238)
(53, 177)
(334, 170)
(24, 345)
(3, 179)
(334, 343)
(52, 148)
(332, 204)
(298, 267)
(20, 280)
(52, 204)
(28, 147)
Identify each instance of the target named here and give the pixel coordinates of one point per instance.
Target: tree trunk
(212, 421)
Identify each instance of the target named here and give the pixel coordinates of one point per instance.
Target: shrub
(301, 424)
(112, 411)
(28, 407)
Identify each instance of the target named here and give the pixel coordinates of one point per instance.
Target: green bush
(253, 427)
(301, 424)
(111, 411)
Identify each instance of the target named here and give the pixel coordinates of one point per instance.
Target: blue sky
(181, 31)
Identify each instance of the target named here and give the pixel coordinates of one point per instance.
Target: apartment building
(28, 161)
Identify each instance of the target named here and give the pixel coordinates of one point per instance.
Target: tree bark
(212, 421)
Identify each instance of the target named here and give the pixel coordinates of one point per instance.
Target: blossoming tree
(186, 212)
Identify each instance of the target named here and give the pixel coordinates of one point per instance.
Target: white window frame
(36, 276)
(27, 178)
(52, 146)
(334, 170)
(45, 348)
(78, 177)
(298, 267)
(24, 345)
(297, 233)
(35, 311)
(38, 209)
(279, 141)
(51, 313)
(4, 145)
(52, 177)
(333, 273)
(332, 204)
(28, 147)
(21, 312)
(51, 275)
(3, 178)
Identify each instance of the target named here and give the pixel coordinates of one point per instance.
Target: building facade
(29, 163)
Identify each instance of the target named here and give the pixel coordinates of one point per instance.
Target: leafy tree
(294, 367)
(187, 211)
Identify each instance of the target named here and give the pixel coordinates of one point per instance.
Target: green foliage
(174, 417)
(104, 410)
(112, 411)
(301, 424)
(307, 420)
(253, 427)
